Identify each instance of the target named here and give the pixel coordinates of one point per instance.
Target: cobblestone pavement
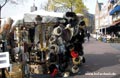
(102, 61)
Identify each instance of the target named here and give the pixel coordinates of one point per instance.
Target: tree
(80, 7)
(75, 5)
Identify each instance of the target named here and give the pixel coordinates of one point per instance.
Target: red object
(74, 54)
(55, 71)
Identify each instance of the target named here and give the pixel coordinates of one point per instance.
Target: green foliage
(67, 3)
(80, 7)
(75, 5)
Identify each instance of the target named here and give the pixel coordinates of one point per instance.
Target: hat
(76, 61)
(74, 54)
(76, 30)
(75, 69)
(52, 39)
(54, 48)
(66, 74)
(82, 23)
(53, 57)
(63, 66)
(67, 33)
(70, 14)
(60, 40)
(53, 70)
(68, 26)
(57, 31)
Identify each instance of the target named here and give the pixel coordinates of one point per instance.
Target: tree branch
(4, 3)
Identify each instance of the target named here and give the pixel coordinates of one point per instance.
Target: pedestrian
(88, 36)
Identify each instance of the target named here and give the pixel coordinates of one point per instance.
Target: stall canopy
(116, 9)
(30, 17)
(49, 16)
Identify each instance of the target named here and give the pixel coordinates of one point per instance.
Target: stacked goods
(65, 46)
(64, 52)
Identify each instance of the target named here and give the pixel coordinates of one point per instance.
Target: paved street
(102, 60)
(115, 45)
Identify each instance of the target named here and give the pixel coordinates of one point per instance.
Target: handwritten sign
(4, 59)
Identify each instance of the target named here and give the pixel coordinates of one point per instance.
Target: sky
(13, 9)
(90, 4)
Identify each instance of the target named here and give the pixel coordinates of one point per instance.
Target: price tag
(4, 59)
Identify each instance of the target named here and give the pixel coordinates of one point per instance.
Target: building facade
(97, 16)
(91, 21)
(103, 19)
(114, 12)
(107, 17)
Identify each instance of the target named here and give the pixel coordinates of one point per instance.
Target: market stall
(44, 43)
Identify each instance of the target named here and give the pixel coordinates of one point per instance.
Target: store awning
(116, 9)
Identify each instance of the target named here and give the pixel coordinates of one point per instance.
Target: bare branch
(4, 3)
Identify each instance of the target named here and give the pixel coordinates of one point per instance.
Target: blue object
(104, 40)
(116, 9)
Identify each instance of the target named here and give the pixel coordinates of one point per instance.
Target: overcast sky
(13, 9)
